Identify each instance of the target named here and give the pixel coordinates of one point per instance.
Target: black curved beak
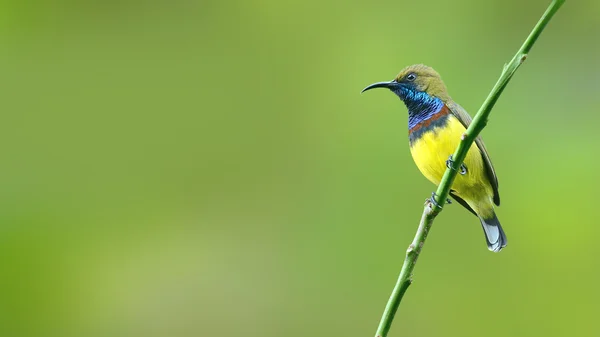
(390, 85)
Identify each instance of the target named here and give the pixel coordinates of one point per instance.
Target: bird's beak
(390, 85)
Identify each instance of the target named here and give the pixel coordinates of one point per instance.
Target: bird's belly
(434, 146)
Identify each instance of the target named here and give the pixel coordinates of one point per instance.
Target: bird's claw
(434, 202)
(450, 165)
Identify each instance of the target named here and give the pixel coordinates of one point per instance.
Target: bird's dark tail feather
(494, 235)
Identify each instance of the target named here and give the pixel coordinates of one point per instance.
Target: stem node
(523, 58)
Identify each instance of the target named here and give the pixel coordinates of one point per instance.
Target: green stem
(431, 211)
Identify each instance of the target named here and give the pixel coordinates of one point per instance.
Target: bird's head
(413, 80)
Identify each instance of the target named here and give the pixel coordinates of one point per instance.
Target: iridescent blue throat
(421, 106)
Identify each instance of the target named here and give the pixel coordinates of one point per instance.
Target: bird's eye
(411, 77)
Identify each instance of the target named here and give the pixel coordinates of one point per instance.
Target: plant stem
(431, 211)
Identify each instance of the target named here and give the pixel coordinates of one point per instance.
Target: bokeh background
(209, 168)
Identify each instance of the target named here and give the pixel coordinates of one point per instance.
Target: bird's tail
(494, 235)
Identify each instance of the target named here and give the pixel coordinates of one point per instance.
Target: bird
(435, 126)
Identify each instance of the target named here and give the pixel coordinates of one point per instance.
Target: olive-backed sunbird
(435, 127)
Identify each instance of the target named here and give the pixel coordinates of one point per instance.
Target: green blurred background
(181, 168)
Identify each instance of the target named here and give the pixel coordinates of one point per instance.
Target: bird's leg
(434, 202)
(450, 165)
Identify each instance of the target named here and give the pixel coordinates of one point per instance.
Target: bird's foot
(434, 202)
(450, 165)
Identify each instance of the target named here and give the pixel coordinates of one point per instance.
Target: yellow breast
(433, 148)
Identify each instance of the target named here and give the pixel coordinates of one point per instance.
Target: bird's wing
(462, 202)
(464, 117)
